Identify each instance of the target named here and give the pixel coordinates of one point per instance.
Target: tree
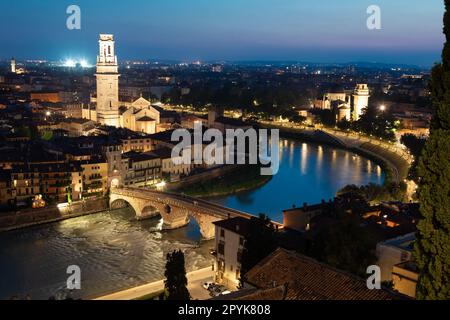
(176, 280)
(345, 245)
(432, 248)
(259, 243)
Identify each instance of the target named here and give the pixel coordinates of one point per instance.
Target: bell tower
(107, 82)
(360, 100)
(13, 65)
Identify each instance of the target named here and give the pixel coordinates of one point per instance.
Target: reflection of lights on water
(379, 171)
(319, 156)
(304, 158)
(334, 157)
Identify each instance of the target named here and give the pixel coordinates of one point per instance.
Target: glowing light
(72, 63)
(69, 63)
(62, 205)
(161, 185)
(84, 63)
(383, 108)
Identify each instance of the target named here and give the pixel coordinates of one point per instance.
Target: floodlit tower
(360, 100)
(107, 83)
(13, 65)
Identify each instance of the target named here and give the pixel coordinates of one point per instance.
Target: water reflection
(113, 250)
(296, 184)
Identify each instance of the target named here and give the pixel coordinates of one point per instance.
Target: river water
(115, 252)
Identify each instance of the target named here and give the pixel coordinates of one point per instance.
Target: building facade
(230, 236)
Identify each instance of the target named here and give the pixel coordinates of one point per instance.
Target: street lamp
(382, 108)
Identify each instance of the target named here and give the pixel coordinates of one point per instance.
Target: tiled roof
(145, 119)
(237, 225)
(307, 279)
(277, 293)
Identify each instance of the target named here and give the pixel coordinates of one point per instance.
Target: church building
(140, 116)
(349, 105)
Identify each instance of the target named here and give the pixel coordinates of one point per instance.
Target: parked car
(216, 291)
(208, 285)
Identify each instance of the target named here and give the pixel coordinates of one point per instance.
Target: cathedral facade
(140, 116)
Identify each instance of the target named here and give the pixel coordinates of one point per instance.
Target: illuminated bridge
(174, 209)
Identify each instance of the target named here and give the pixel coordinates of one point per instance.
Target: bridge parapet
(175, 209)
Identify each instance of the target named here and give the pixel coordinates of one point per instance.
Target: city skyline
(225, 31)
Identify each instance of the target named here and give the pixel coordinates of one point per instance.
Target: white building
(392, 252)
(230, 238)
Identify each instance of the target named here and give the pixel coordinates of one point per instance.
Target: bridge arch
(175, 210)
(120, 204)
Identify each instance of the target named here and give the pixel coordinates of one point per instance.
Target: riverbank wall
(33, 217)
(395, 163)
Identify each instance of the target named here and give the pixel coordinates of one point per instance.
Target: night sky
(303, 30)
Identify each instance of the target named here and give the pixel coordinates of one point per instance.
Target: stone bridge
(175, 210)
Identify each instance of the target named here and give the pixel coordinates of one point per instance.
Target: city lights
(71, 63)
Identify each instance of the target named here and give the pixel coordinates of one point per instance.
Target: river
(115, 252)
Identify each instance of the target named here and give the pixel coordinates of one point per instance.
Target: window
(241, 241)
(221, 248)
(222, 233)
(239, 256)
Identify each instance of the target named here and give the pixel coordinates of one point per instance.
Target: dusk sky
(302, 30)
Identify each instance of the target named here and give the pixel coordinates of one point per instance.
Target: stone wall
(32, 217)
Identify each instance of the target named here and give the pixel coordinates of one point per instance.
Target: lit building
(405, 277)
(348, 106)
(393, 252)
(107, 83)
(95, 178)
(360, 100)
(138, 116)
(117, 166)
(13, 65)
(230, 238)
(144, 169)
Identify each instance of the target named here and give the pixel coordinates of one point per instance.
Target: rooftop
(308, 279)
(237, 225)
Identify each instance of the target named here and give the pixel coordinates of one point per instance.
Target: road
(195, 281)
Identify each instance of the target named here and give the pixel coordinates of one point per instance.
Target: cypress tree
(176, 280)
(432, 248)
